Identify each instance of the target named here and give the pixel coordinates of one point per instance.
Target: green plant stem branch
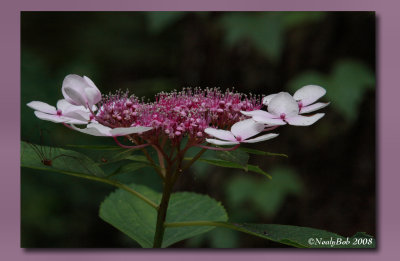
(153, 164)
(193, 160)
(107, 181)
(161, 161)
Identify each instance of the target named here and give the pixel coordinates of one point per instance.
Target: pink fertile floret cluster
(177, 114)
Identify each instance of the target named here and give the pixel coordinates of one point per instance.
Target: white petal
(43, 107)
(304, 120)
(260, 113)
(73, 88)
(309, 94)
(63, 105)
(93, 96)
(220, 134)
(75, 97)
(129, 130)
(50, 117)
(94, 129)
(313, 107)
(246, 128)
(220, 142)
(90, 82)
(269, 121)
(75, 121)
(78, 115)
(97, 97)
(262, 138)
(283, 103)
(268, 98)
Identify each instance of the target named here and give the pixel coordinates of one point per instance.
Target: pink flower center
(300, 105)
(239, 138)
(178, 113)
(283, 116)
(59, 113)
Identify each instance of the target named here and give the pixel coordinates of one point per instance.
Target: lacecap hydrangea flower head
(203, 116)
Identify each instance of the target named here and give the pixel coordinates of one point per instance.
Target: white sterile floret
(240, 132)
(96, 129)
(284, 109)
(79, 90)
(64, 113)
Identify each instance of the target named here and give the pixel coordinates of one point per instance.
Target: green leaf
(345, 85)
(301, 236)
(236, 156)
(219, 163)
(264, 153)
(103, 154)
(234, 165)
(224, 238)
(256, 169)
(128, 168)
(137, 219)
(94, 147)
(138, 158)
(61, 160)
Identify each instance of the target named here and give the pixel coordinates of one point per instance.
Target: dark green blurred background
(328, 181)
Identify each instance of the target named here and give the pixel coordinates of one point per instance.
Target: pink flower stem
(161, 153)
(217, 148)
(66, 125)
(271, 128)
(130, 147)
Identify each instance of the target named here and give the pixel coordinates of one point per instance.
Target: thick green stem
(171, 174)
(162, 214)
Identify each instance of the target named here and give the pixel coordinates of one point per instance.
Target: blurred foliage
(261, 196)
(265, 30)
(258, 52)
(158, 21)
(345, 85)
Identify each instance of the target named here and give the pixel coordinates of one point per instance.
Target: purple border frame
(388, 38)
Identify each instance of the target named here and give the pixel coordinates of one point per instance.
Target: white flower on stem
(240, 132)
(97, 129)
(79, 90)
(65, 112)
(284, 109)
(307, 95)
